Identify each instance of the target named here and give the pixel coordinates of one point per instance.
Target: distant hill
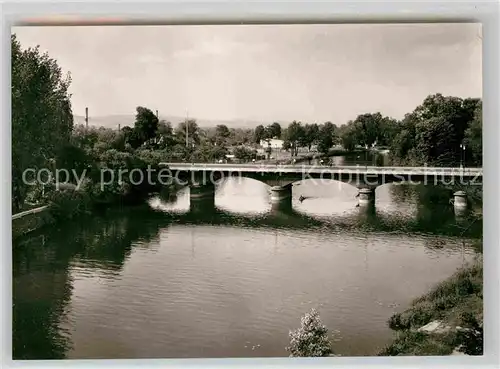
(112, 121)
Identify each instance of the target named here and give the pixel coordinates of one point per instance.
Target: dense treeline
(42, 119)
(442, 131)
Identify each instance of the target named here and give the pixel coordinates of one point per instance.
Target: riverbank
(69, 204)
(30, 220)
(448, 320)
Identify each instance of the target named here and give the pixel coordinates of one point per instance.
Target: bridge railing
(323, 168)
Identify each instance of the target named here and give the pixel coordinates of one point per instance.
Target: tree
(293, 134)
(146, 124)
(435, 141)
(347, 136)
(311, 135)
(311, 339)
(165, 134)
(438, 126)
(388, 130)
(474, 136)
(367, 128)
(42, 119)
(244, 154)
(273, 131)
(193, 132)
(222, 133)
(240, 136)
(259, 134)
(132, 137)
(326, 137)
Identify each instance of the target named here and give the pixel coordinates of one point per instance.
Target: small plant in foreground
(311, 339)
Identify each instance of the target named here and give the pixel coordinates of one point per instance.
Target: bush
(67, 204)
(311, 339)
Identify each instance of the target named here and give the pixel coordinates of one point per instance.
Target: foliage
(193, 132)
(240, 136)
(244, 154)
(207, 153)
(348, 137)
(259, 134)
(222, 133)
(273, 131)
(311, 339)
(293, 135)
(310, 136)
(68, 204)
(165, 136)
(146, 123)
(367, 128)
(42, 119)
(474, 136)
(434, 131)
(326, 137)
(457, 301)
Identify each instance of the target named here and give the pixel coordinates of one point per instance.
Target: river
(165, 280)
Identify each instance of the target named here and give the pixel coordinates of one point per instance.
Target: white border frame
(486, 12)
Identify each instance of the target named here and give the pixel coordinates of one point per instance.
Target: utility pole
(86, 117)
(156, 113)
(119, 127)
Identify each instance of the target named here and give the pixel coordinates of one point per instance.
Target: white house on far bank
(274, 143)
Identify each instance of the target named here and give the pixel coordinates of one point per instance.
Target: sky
(311, 73)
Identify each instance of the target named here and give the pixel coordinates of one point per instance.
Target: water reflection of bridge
(431, 219)
(105, 242)
(202, 179)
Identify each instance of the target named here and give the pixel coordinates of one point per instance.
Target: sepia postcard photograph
(246, 190)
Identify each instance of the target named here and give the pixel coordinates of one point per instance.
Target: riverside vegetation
(442, 131)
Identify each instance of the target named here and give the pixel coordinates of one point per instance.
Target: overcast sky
(286, 72)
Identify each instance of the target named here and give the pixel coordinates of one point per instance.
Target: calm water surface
(172, 280)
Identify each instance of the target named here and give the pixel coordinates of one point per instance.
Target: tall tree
(165, 134)
(326, 137)
(474, 136)
(259, 134)
(193, 132)
(438, 126)
(367, 128)
(42, 119)
(222, 133)
(146, 123)
(311, 135)
(273, 131)
(293, 135)
(348, 136)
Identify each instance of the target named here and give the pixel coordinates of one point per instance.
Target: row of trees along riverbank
(44, 135)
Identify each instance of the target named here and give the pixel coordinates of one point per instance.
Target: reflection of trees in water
(41, 291)
(434, 212)
(42, 285)
(403, 193)
(439, 221)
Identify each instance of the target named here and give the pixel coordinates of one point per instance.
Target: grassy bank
(457, 304)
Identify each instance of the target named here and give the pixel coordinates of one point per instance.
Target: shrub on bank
(67, 204)
(458, 302)
(311, 339)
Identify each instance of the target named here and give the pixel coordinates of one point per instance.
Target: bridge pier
(366, 197)
(281, 194)
(460, 203)
(202, 197)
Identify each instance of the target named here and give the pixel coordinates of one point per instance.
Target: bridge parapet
(266, 168)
